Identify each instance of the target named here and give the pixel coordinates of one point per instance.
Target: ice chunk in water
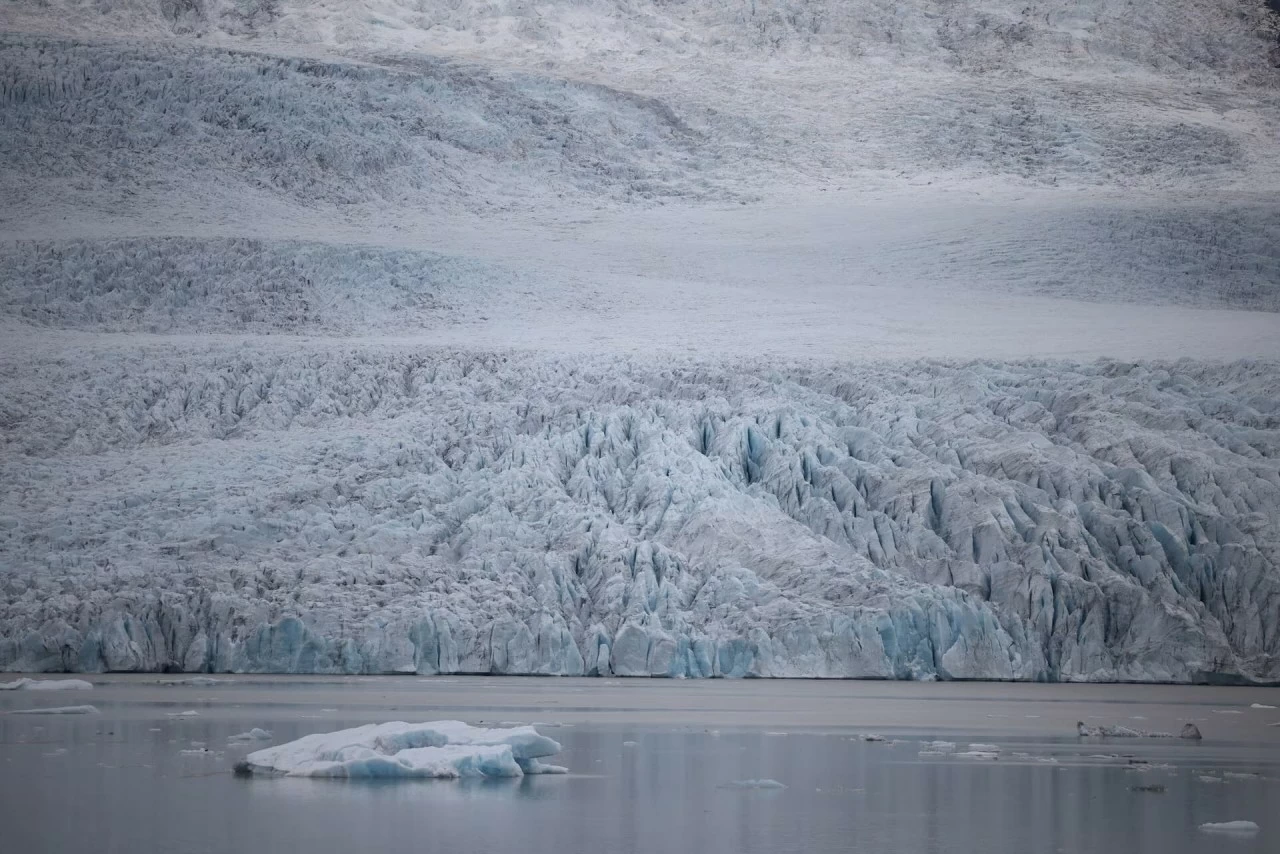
(58, 710)
(255, 734)
(25, 684)
(1229, 827)
(436, 749)
(754, 784)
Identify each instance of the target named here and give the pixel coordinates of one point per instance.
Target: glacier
(382, 510)
(797, 338)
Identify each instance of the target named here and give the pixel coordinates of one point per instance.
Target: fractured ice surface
(387, 511)
(436, 749)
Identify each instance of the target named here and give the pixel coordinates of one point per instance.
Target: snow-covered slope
(447, 335)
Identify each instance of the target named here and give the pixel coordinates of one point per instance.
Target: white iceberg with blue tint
(25, 684)
(439, 749)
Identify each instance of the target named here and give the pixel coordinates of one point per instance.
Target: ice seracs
(439, 749)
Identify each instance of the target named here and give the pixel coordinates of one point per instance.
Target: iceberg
(439, 749)
(1241, 827)
(754, 784)
(1189, 731)
(255, 734)
(26, 684)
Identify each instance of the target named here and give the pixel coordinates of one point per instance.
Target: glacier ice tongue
(439, 749)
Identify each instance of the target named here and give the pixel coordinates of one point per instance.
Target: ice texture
(380, 510)
(436, 749)
(187, 183)
(27, 684)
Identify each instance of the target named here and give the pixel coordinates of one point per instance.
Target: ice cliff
(381, 510)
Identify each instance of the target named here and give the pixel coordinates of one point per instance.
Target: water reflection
(129, 788)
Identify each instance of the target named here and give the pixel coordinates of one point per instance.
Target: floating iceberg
(442, 749)
(58, 710)
(754, 784)
(255, 734)
(1229, 827)
(1190, 731)
(25, 684)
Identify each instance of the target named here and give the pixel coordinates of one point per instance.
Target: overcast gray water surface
(119, 781)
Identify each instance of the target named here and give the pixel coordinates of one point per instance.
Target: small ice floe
(871, 736)
(26, 684)
(1207, 778)
(1241, 775)
(754, 784)
(255, 734)
(985, 748)
(937, 748)
(197, 681)
(1241, 827)
(58, 710)
(775, 733)
(61, 751)
(1227, 712)
(628, 744)
(439, 749)
(199, 751)
(980, 755)
(1031, 757)
(1260, 706)
(1154, 788)
(189, 713)
(1190, 731)
(1142, 766)
(198, 744)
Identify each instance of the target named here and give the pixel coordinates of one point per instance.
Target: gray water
(119, 782)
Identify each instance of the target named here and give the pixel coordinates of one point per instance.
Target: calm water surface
(119, 781)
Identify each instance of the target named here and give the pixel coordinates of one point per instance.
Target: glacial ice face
(380, 510)
(437, 749)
